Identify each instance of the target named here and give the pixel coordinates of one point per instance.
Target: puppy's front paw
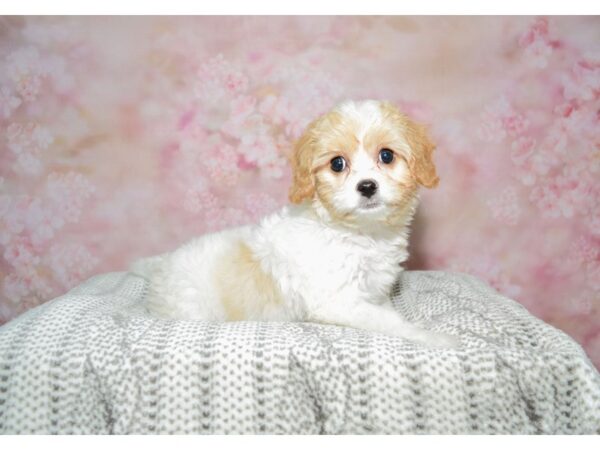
(441, 340)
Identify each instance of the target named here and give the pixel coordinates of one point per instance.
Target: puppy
(330, 257)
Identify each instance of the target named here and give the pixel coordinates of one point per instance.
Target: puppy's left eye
(386, 156)
(338, 164)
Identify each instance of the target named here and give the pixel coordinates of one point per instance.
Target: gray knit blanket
(94, 361)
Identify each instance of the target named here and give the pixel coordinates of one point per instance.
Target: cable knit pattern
(93, 361)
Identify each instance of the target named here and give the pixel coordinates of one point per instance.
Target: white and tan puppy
(330, 257)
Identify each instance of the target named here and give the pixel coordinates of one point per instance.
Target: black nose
(367, 188)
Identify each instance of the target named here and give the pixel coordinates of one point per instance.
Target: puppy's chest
(363, 266)
(376, 270)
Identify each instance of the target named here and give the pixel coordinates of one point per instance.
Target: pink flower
(522, 148)
(257, 147)
(582, 82)
(583, 251)
(525, 175)
(24, 67)
(41, 222)
(575, 180)
(259, 205)
(199, 199)
(583, 123)
(276, 109)
(537, 44)
(28, 87)
(222, 164)
(40, 288)
(538, 53)
(491, 128)
(542, 162)
(16, 135)
(553, 199)
(28, 163)
(200, 161)
(8, 102)
(499, 120)
(556, 141)
(262, 151)
(14, 217)
(241, 107)
(26, 141)
(67, 194)
(280, 111)
(42, 137)
(14, 288)
(305, 91)
(70, 263)
(242, 116)
(21, 255)
(515, 124)
(565, 109)
(218, 79)
(505, 207)
(537, 30)
(236, 82)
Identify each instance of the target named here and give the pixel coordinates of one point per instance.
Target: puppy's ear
(303, 183)
(421, 163)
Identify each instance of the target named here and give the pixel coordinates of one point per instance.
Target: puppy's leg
(383, 319)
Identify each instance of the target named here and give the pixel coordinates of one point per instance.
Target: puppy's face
(363, 162)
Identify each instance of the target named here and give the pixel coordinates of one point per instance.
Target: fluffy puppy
(330, 257)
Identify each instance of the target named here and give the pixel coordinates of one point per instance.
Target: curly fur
(333, 255)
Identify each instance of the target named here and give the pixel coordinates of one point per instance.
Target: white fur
(326, 272)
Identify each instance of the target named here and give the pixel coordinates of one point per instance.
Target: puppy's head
(363, 162)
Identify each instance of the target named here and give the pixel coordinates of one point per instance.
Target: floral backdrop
(125, 136)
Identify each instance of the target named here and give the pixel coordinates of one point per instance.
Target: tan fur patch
(420, 161)
(303, 186)
(246, 290)
(377, 138)
(326, 137)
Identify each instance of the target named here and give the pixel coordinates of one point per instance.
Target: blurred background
(125, 136)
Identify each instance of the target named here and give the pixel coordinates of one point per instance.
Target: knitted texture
(93, 361)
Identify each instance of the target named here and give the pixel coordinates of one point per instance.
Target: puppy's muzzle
(367, 188)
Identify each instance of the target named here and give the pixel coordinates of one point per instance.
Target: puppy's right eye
(338, 164)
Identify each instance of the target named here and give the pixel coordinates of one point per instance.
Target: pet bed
(93, 361)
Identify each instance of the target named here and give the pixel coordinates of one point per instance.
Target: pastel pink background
(123, 137)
